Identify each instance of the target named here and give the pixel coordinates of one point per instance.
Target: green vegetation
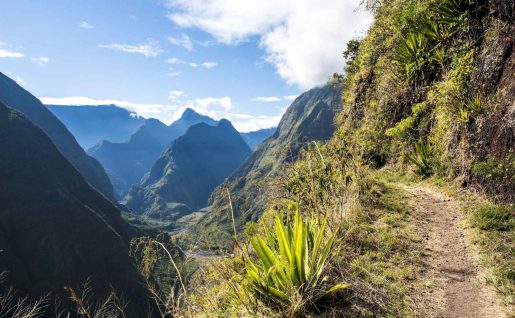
(421, 157)
(497, 175)
(434, 107)
(331, 234)
(491, 218)
(427, 109)
(292, 264)
(494, 233)
(360, 225)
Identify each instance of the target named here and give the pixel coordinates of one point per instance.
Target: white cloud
(175, 94)
(161, 111)
(248, 123)
(302, 39)
(149, 49)
(42, 60)
(173, 73)
(215, 107)
(9, 53)
(211, 104)
(209, 65)
(177, 61)
(290, 97)
(267, 99)
(183, 41)
(85, 25)
(19, 80)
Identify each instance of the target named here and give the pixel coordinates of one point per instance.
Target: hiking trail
(451, 270)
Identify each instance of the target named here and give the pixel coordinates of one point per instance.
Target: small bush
(421, 157)
(289, 274)
(497, 176)
(411, 54)
(492, 217)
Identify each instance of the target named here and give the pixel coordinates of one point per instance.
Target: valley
(386, 189)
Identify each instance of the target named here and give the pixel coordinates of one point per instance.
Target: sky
(244, 60)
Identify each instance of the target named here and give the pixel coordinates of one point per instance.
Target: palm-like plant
(410, 55)
(422, 158)
(292, 263)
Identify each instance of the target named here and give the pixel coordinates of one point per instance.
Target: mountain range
(18, 98)
(127, 162)
(92, 124)
(55, 229)
(309, 118)
(183, 178)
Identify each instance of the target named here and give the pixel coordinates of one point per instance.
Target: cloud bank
(303, 39)
(215, 107)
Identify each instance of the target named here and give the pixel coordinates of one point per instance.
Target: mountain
(91, 124)
(254, 138)
(55, 229)
(309, 118)
(188, 171)
(127, 162)
(18, 98)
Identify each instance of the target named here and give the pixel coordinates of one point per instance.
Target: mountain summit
(309, 118)
(127, 162)
(189, 170)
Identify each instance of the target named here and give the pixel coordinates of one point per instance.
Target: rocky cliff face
(16, 97)
(187, 172)
(126, 163)
(309, 118)
(55, 229)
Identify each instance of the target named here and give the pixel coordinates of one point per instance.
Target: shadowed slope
(55, 229)
(18, 98)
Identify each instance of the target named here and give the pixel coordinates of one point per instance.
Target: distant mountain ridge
(309, 118)
(254, 138)
(188, 171)
(126, 163)
(55, 229)
(18, 98)
(92, 124)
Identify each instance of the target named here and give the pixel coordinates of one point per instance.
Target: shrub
(421, 157)
(289, 274)
(495, 217)
(497, 176)
(410, 55)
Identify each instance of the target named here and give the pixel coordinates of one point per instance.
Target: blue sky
(243, 60)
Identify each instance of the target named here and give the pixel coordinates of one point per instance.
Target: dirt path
(454, 280)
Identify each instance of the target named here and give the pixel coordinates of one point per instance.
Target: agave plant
(421, 157)
(292, 263)
(410, 55)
